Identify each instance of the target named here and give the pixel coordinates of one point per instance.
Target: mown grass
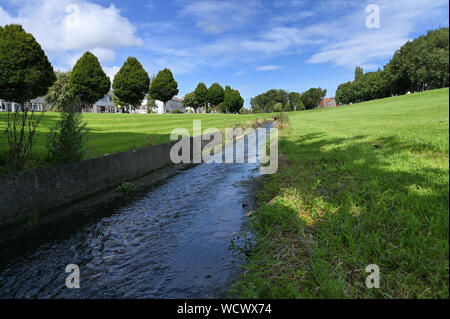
(357, 185)
(114, 133)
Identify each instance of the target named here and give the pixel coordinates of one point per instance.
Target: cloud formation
(67, 28)
(234, 40)
(330, 31)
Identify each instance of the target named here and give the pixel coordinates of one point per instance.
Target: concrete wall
(35, 192)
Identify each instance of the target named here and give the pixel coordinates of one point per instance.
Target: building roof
(325, 100)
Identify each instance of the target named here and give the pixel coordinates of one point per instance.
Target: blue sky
(251, 45)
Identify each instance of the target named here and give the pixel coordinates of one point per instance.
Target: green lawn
(357, 185)
(113, 133)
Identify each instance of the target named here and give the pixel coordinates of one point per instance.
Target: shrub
(278, 107)
(282, 120)
(176, 112)
(67, 141)
(126, 188)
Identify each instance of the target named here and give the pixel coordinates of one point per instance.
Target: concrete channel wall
(38, 191)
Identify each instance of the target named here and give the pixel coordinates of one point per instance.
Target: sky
(251, 45)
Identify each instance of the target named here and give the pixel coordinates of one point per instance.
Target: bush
(283, 118)
(67, 141)
(244, 111)
(176, 112)
(278, 107)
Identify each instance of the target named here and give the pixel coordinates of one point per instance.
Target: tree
(233, 101)
(311, 98)
(345, 93)
(422, 64)
(163, 87)
(267, 100)
(372, 85)
(295, 101)
(190, 101)
(131, 83)
(151, 102)
(25, 73)
(358, 73)
(67, 141)
(201, 94)
(59, 95)
(227, 101)
(278, 107)
(216, 95)
(239, 102)
(88, 81)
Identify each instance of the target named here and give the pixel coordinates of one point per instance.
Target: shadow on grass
(357, 202)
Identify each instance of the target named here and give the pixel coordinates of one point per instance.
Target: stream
(176, 240)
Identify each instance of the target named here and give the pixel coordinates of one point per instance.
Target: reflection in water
(173, 242)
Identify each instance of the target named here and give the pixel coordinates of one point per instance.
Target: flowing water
(176, 240)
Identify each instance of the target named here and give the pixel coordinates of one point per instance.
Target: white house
(37, 104)
(105, 105)
(175, 103)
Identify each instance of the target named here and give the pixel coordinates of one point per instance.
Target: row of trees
(422, 64)
(27, 74)
(280, 100)
(131, 84)
(86, 84)
(214, 98)
(366, 87)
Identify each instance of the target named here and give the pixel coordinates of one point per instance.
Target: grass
(357, 185)
(114, 133)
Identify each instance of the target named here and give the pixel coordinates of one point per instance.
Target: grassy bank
(114, 133)
(357, 185)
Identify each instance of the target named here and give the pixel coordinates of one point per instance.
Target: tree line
(280, 100)
(27, 74)
(419, 65)
(214, 99)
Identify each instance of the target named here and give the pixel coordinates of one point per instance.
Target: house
(105, 105)
(37, 104)
(327, 102)
(175, 103)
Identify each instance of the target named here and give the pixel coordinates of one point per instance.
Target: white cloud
(350, 43)
(111, 71)
(104, 54)
(344, 40)
(66, 28)
(268, 68)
